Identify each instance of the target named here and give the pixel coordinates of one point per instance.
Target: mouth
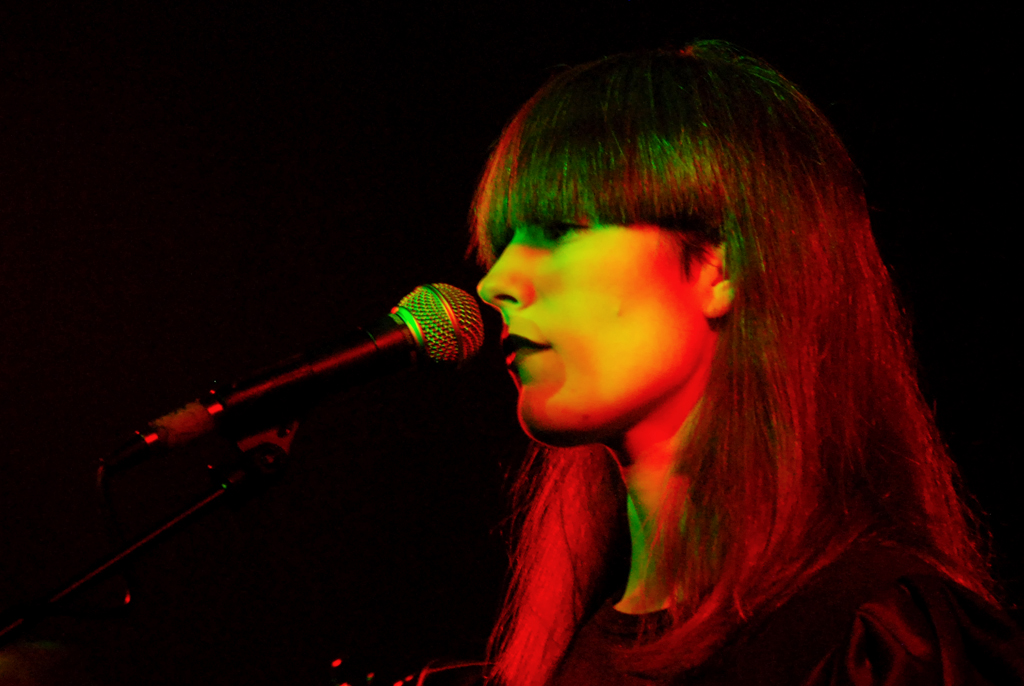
(516, 347)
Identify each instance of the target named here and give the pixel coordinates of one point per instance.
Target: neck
(648, 453)
(649, 471)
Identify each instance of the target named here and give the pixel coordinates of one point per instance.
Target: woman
(735, 478)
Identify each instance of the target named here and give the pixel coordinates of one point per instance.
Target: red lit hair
(812, 431)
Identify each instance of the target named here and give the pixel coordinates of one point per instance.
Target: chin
(565, 431)
(554, 437)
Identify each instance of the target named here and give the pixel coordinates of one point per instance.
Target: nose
(508, 283)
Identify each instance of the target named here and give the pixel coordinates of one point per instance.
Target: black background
(190, 192)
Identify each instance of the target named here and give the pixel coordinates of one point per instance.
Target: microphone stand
(263, 456)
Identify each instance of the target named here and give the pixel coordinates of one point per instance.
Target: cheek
(583, 390)
(557, 395)
(636, 359)
(618, 352)
(632, 363)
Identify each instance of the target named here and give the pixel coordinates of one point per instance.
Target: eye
(545, 234)
(555, 231)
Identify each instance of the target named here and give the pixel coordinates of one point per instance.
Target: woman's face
(605, 333)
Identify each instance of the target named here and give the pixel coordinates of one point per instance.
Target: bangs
(614, 142)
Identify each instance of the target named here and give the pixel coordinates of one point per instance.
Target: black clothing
(876, 616)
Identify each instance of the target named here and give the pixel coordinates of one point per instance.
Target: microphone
(436, 322)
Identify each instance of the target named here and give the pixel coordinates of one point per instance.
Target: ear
(716, 291)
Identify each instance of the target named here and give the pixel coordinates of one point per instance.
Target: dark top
(876, 616)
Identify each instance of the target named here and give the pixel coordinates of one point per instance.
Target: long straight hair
(812, 431)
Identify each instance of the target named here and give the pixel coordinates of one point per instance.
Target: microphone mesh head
(449, 318)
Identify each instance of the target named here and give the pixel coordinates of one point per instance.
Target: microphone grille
(449, 319)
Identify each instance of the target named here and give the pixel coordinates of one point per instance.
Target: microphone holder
(263, 456)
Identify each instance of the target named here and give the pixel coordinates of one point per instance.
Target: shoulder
(925, 629)
(878, 615)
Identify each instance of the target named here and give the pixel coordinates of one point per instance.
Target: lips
(515, 347)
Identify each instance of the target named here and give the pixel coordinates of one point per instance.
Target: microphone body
(437, 322)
